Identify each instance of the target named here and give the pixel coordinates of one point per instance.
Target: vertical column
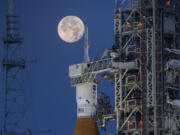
(118, 98)
(154, 65)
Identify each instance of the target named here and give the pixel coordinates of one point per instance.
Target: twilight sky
(51, 100)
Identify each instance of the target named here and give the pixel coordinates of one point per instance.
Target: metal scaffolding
(14, 111)
(140, 26)
(144, 66)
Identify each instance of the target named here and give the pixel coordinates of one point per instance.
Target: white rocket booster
(86, 98)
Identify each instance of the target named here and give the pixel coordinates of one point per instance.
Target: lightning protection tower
(14, 111)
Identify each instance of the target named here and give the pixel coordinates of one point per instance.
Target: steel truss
(142, 101)
(14, 111)
(139, 26)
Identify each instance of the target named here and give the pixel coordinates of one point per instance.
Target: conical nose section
(86, 126)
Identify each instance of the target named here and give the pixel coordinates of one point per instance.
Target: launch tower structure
(14, 111)
(144, 66)
(147, 32)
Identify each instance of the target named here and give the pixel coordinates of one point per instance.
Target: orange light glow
(168, 3)
(140, 24)
(140, 123)
(129, 123)
(128, 24)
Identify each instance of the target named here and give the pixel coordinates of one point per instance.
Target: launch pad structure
(144, 66)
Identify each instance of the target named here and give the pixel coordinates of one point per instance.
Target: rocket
(86, 98)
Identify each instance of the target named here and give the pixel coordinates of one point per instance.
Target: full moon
(71, 29)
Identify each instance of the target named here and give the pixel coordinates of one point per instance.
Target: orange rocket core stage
(86, 126)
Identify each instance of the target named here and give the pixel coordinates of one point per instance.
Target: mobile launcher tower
(144, 66)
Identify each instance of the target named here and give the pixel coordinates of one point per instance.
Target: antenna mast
(86, 46)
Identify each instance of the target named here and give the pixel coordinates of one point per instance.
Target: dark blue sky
(51, 100)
